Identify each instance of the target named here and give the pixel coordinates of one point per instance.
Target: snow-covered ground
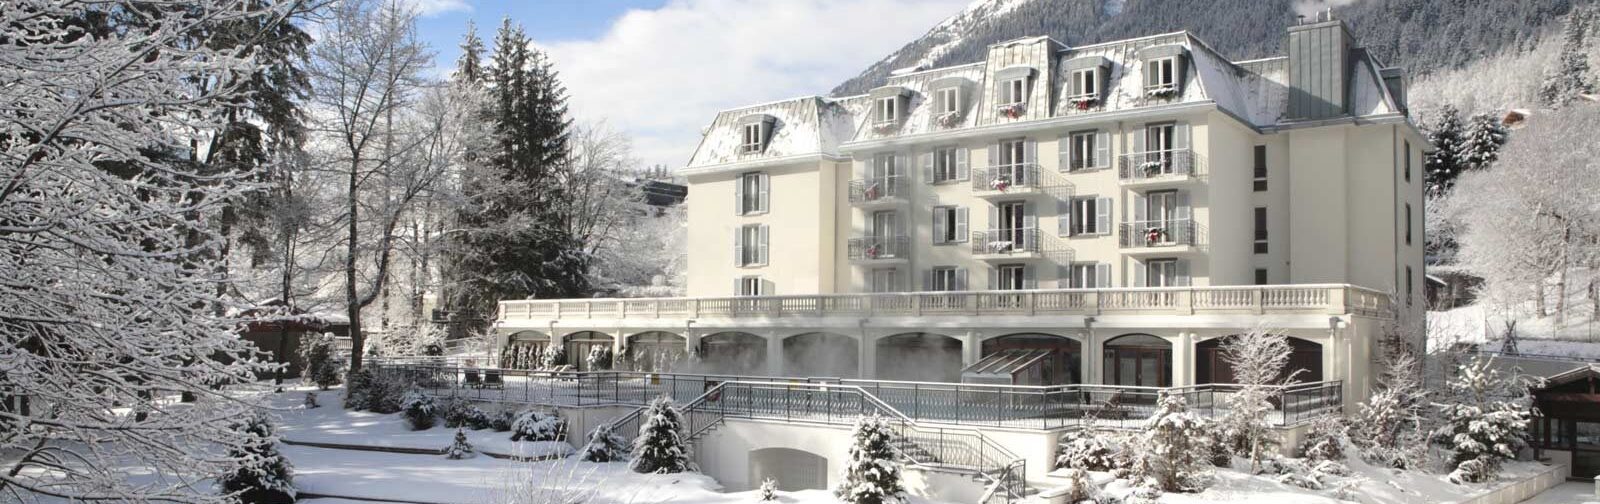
(333, 424)
(1571, 492)
(1578, 337)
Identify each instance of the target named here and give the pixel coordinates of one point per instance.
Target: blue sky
(659, 70)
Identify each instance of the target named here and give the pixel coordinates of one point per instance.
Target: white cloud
(427, 8)
(661, 75)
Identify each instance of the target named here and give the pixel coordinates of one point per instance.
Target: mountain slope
(1421, 35)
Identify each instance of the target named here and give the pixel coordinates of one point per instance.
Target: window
(1086, 84)
(1261, 276)
(1012, 152)
(1010, 162)
(888, 111)
(1090, 215)
(947, 101)
(1083, 153)
(750, 245)
(751, 286)
(1163, 273)
(1088, 275)
(946, 278)
(1408, 160)
(884, 280)
(751, 193)
(1011, 277)
(1410, 285)
(944, 165)
(1408, 223)
(754, 139)
(949, 224)
(1161, 74)
(1014, 92)
(1261, 168)
(1261, 230)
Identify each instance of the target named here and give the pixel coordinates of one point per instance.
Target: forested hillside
(1421, 35)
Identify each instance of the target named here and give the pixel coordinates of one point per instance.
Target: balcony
(1160, 237)
(1018, 180)
(880, 191)
(1015, 244)
(1307, 299)
(880, 250)
(1159, 168)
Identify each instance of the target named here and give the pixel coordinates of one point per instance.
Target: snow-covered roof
(1255, 92)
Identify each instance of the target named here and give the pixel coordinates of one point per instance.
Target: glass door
(1586, 450)
(1013, 215)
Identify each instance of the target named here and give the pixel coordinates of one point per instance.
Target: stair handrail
(635, 414)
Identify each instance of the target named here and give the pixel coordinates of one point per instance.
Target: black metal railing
(1006, 241)
(878, 189)
(879, 247)
(1007, 178)
(1158, 164)
(1159, 233)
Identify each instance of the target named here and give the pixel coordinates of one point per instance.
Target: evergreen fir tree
(1444, 164)
(871, 475)
(266, 477)
(321, 367)
(469, 67)
(460, 448)
(1484, 137)
(604, 445)
(1387, 430)
(1486, 422)
(662, 446)
(769, 490)
(1174, 448)
(1570, 77)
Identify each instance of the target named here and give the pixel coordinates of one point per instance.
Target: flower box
(1000, 184)
(885, 127)
(1084, 102)
(1011, 110)
(948, 120)
(1000, 246)
(1163, 92)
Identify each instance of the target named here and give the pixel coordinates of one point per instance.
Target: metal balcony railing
(1005, 178)
(1158, 165)
(878, 189)
(879, 247)
(1006, 241)
(1165, 233)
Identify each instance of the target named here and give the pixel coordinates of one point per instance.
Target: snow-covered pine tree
(1388, 429)
(321, 367)
(1444, 164)
(460, 448)
(419, 410)
(1082, 489)
(1086, 449)
(871, 475)
(532, 425)
(661, 446)
(108, 260)
(604, 445)
(769, 490)
(1259, 359)
(599, 358)
(1484, 137)
(1570, 76)
(269, 478)
(552, 358)
(1173, 452)
(1486, 421)
(1325, 440)
(469, 67)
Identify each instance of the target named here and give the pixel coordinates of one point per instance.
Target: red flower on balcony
(872, 192)
(1154, 236)
(872, 251)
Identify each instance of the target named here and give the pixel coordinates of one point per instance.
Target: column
(1183, 360)
(774, 353)
(971, 348)
(867, 365)
(1088, 361)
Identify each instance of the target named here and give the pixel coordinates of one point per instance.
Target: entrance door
(1012, 224)
(1586, 452)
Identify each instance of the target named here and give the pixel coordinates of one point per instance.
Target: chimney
(1319, 69)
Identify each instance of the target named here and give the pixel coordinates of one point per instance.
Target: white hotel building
(1099, 215)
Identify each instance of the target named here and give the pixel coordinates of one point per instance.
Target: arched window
(919, 357)
(1138, 359)
(735, 353)
(821, 355)
(579, 344)
(1062, 366)
(1211, 366)
(655, 352)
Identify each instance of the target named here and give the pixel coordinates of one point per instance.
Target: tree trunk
(352, 303)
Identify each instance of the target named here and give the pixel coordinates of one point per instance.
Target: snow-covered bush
(1485, 423)
(532, 425)
(599, 358)
(871, 475)
(553, 357)
(322, 368)
(368, 391)
(1388, 430)
(419, 410)
(604, 446)
(1172, 449)
(502, 419)
(1082, 490)
(460, 448)
(769, 490)
(662, 446)
(263, 476)
(1325, 441)
(460, 412)
(1086, 449)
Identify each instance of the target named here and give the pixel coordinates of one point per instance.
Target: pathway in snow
(1571, 492)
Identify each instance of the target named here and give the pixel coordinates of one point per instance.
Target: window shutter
(763, 182)
(738, 286)
(1183, 205)
(1102, 216)
(994, 278)
(1064, 276)
(1182, 278)
(1138, 276)
(899, 167)
(961, 224)
(1102, 275)
(994, 218)
(1138, 140)
(962, 171)
(1138, 207)
(1180, 135)
(927, 167)
(1077, 83)
(1030, 215)
(761, 251)
(939, 223)
(738, 195)
(927, 280)
(961, 279)
(768, 288)
(1064, 153)
(1030, 153)
(1029, 279)
(738, 246)
(1102, 149)
(1064, 217)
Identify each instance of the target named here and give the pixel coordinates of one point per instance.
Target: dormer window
(1161, 77)
(1086, 80)
(1085, 83)
(888, 106)
(888, 111)
(753, 138)
(1014, 92)
(1011, 91)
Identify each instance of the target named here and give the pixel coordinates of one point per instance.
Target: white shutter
(1030, 215)
(1102, 275)
(738, 195)
(1064, 153)
(962, 170)
(1180, 135)
(994, 278)
(994, 218)
(738, 286)
(1138, 275)
(927, 167)
(961, 224)
(761, 250)
(1102, 149)
(1064, 276)
(940, 218)
(927, 280)
(1138, 140)
(1183, 205)
(765, 183)
(994, 155)
(961, 279)
(1183, 273)
(1029, 279)
(1064, 217)
(900, 167)
(1102, 217)
(768, 288)
(1138, 207)
(738, 246)
(1030, 153)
